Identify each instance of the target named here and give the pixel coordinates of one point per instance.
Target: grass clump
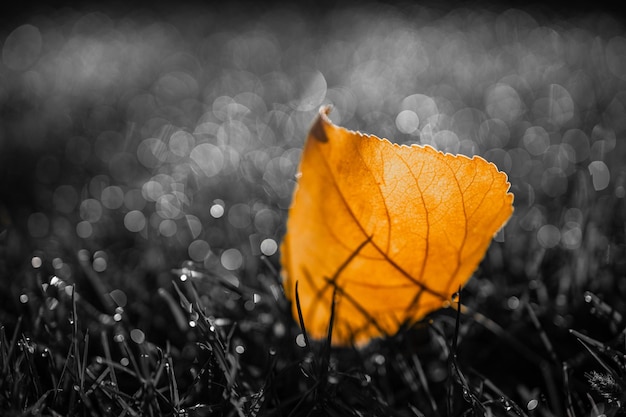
(57, 362)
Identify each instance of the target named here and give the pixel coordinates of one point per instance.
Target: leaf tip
(317, 130)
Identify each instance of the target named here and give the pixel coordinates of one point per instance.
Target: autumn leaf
(393, 230)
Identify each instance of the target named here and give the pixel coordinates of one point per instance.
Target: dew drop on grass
(168, 228)
(571, 235)
(279, 329)
(57, 263)
(269, 247)
(554, 182)
(217, 210)
(198, 250)
(119, 297)
(467, 395)
(507, 405)
(36, 262)
(83, 255)
(137, 336)
(532, 404)
(181, 143)
(112, 197)
(300, 340)
(52, 303)
(84, 229)
(548, 236)
(99, 264)
(366, 380)
(23, 298)
(231, 259)
(124, 361)
(208, 158)
(194, 224)
(407, 121)
(600, 175)
(134, 221)
(379, 359)
(513, 303)
(240, 349)
(90, 210)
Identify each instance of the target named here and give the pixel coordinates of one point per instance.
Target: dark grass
(75, 360)
(541, 332)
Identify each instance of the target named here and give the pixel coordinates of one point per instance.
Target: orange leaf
(395, 229)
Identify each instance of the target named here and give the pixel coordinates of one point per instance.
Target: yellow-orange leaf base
(395, 229)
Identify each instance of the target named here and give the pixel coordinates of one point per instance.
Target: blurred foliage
(135, 143)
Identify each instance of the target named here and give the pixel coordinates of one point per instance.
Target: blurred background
(134, 141)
